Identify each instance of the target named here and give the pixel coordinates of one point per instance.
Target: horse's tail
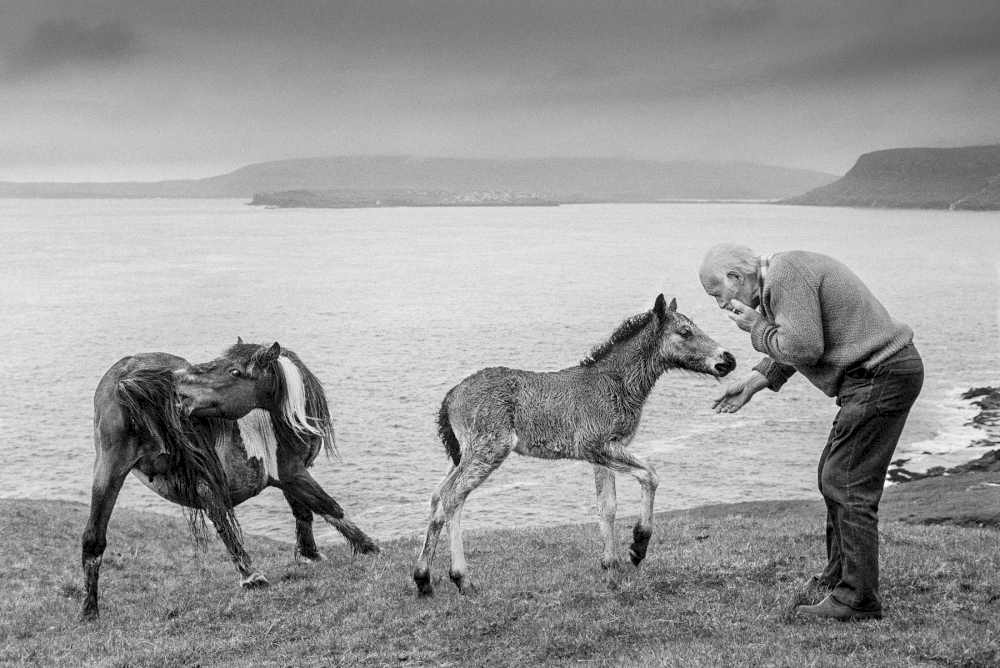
(447, 434)
(147, 399)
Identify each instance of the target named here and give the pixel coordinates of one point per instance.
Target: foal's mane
(299, 392)
(625, 331)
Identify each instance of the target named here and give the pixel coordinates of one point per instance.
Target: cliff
(916, 178)
(561, 179)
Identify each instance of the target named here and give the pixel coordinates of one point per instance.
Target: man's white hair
(723, 259)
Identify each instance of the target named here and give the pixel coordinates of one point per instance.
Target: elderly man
(816, 317)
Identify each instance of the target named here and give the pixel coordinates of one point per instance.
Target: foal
(587, 412)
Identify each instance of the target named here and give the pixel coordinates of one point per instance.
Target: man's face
(725, 288)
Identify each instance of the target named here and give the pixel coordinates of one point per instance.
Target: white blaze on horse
(209, 437)
(588, 412)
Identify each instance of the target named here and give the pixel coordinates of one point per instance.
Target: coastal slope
(545, 180)
(916, 178)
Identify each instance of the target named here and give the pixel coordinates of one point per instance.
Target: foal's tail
(447, 434)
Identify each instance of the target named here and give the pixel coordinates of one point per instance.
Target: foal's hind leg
(607, 505)
(422, 571)
(617, 458)
(471, 478)
(305, 543)
(446, 508)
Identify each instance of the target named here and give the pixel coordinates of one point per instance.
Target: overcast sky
(148, 89)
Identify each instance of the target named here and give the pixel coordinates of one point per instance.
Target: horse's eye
(685, 333)
(236, 373)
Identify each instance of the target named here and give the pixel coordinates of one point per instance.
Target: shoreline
(967, 494)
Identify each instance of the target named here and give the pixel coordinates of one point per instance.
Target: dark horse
(588, 412)
(209, 437)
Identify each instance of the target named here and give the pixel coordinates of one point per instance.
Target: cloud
(57, 42)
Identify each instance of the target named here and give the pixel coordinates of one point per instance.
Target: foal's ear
(239, 340)
(660, 307)
(271, 354)
(673, 305)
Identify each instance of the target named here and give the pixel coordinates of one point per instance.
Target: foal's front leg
(607, 505)
(617, 458)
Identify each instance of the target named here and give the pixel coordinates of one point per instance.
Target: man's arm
(795, 338)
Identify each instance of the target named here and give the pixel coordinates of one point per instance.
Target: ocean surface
(392, 307)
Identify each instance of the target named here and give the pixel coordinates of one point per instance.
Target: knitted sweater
(820, 319)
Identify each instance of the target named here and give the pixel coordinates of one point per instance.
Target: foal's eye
(236, 373)
(685, 333)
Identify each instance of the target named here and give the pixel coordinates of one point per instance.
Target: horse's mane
(304, 408)
(147, 399)
(625, 331)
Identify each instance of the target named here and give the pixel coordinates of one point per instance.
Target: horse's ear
(659, 308)
(271, 354)
(673, 305)
(239, 340)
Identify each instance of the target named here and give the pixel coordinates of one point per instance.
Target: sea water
(392, 307)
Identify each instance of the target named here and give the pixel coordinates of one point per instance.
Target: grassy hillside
(717, 590)
(924, 178)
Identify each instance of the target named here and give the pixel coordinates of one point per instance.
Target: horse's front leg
(617, 458)
(305, 543)
(607, 505)
(250, 577)
(298, 484)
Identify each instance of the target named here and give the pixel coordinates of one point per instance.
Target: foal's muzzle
(727, 364)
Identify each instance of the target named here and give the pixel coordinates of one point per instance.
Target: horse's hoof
(367, 548)
(309, 560)
(635, 558)
(254, 581)
(89, 615)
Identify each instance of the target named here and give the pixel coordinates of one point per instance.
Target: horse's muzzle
(727, 364)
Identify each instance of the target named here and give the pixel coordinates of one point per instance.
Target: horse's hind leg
(305, 543)
(607, 506)
(617, 458)
(116, 455)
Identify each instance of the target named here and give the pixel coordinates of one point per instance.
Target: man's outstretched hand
(738, 393)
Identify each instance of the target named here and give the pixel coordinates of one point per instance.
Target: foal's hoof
(612, 564)
(89, 614)
(424, 586)
(254, 581)
(637, 552)
(464, 583)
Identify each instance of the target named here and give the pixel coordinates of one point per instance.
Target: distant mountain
(916, 178)
(566, 179)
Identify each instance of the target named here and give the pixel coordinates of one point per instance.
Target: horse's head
(243, 379)
(684, 346)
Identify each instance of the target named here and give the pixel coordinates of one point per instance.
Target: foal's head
(246, 377)
(684, 346)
